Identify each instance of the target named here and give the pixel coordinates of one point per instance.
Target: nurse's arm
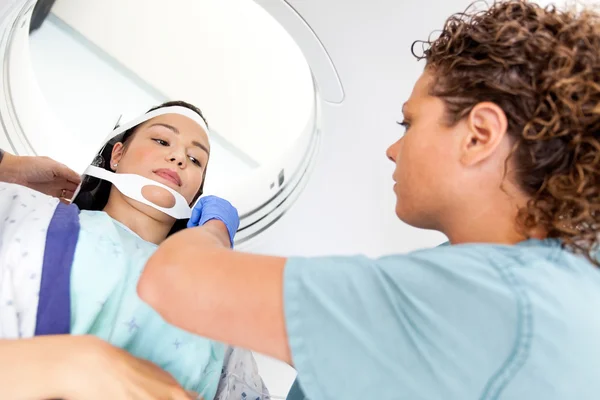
(197, 283)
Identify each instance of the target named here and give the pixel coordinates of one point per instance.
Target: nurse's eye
(161, 142)
(405, 124)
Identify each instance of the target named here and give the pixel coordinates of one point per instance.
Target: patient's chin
(159, 196)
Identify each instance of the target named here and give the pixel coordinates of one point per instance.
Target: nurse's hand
(215, 208)
(40, 173)
(101, 371)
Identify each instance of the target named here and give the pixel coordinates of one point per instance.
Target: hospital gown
(108, 262)
(99, 296)
(24, 219)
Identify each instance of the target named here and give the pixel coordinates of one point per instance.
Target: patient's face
(171, 149)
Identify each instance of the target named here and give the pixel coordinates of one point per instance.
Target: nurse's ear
(486, 128)
(117, 155)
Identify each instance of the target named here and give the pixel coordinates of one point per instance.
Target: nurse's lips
(169, 175)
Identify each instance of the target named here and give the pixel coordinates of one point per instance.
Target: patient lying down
(68, 277)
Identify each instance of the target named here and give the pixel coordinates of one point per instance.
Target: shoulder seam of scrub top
(522, 346)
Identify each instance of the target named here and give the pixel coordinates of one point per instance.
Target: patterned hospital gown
(107, 262)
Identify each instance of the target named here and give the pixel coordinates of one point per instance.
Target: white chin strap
(131, 185)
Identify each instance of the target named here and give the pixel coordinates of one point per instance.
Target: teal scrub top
(473, 321)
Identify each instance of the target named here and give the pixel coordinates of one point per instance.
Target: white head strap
(186, 112)
(131, 185)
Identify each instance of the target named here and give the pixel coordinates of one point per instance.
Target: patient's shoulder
(12, 194)
(21, 205)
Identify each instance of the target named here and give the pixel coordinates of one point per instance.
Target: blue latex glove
(213, 207)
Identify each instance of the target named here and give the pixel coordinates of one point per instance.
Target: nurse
(501, 154)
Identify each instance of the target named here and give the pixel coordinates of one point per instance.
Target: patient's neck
(148, 223)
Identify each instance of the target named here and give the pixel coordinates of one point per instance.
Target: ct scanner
(331, 192)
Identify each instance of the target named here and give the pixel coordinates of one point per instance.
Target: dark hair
(542, 67)
(95, 192)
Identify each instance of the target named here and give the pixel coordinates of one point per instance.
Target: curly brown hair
(542, 67)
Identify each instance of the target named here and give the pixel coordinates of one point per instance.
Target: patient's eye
(195, 161)
(161, 142)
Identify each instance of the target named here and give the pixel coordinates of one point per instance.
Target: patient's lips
(169, 175)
